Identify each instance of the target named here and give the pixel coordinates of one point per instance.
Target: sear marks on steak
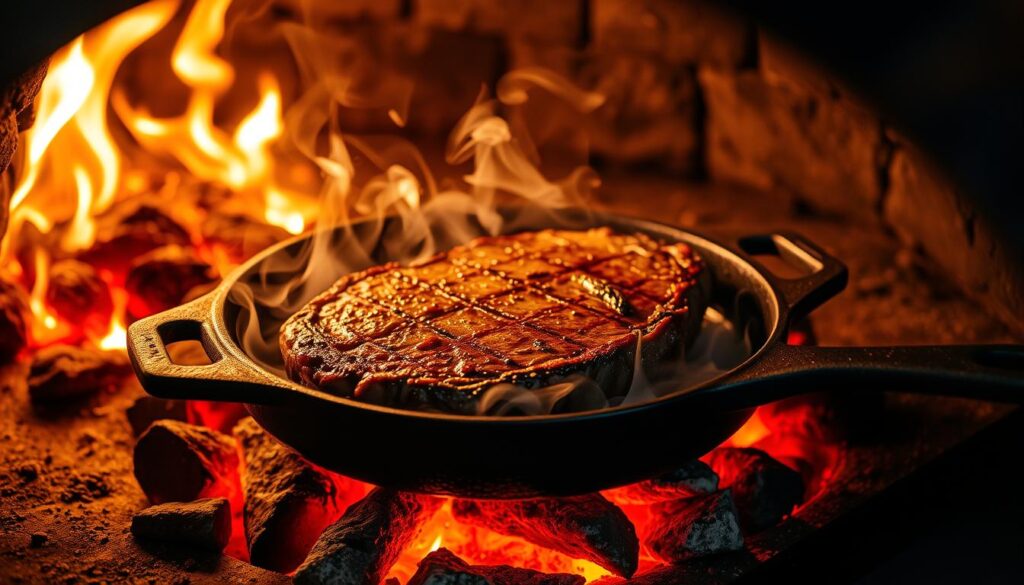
(442, 567)
(527, 309)
(361, 547)
(583, 527)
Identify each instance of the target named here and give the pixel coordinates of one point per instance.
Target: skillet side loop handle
(826, 275)
(225, 379)
(983, 372)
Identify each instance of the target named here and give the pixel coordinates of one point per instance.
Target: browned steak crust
(526, 309)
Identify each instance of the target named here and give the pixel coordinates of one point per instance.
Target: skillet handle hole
(781, 256)
(186, 344)
(188, 352)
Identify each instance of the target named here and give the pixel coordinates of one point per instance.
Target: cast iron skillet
(567, 454)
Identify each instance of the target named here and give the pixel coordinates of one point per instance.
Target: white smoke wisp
(717, 349)
(399, 213)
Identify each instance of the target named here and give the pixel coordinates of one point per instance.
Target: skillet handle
(825, 276)
(984, 372)
(225, 379)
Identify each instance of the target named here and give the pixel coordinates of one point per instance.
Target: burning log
(20, 94)
(694, 527)
(203, 524)
(146, 410)
(80, 296)
(764, 489)
(288, 502)
(692, 479)
(13, 329)
(63, 372)
(442, 567)
(361, 547)
(160, 280)
(16, 115)
(179, 462)
(583, 527)
(8, 144)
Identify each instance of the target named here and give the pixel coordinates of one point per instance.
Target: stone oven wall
(693, 91)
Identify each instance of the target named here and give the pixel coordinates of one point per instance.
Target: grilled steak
(527, 309)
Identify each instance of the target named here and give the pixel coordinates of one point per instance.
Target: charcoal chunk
(203, 523)
(288, 502)
(764, 489)
(694, 527)
(146, 410)
(161, 279)
(63, 372)
(13, 325)
(179, 462)
(692, 479)
(131, 228)
(442, 567)
(78, 294)
(583, 527)
(365, 542)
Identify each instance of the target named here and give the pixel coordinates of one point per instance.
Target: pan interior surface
(741, 299)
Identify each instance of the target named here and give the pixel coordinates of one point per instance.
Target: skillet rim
(218, 301)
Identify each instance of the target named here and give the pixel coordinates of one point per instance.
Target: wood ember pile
(289, 504)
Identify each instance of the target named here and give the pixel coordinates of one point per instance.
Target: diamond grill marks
(494, 310)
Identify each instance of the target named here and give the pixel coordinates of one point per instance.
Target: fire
(78, 164)
(75, 149)
(483, 547)
(751, 432)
